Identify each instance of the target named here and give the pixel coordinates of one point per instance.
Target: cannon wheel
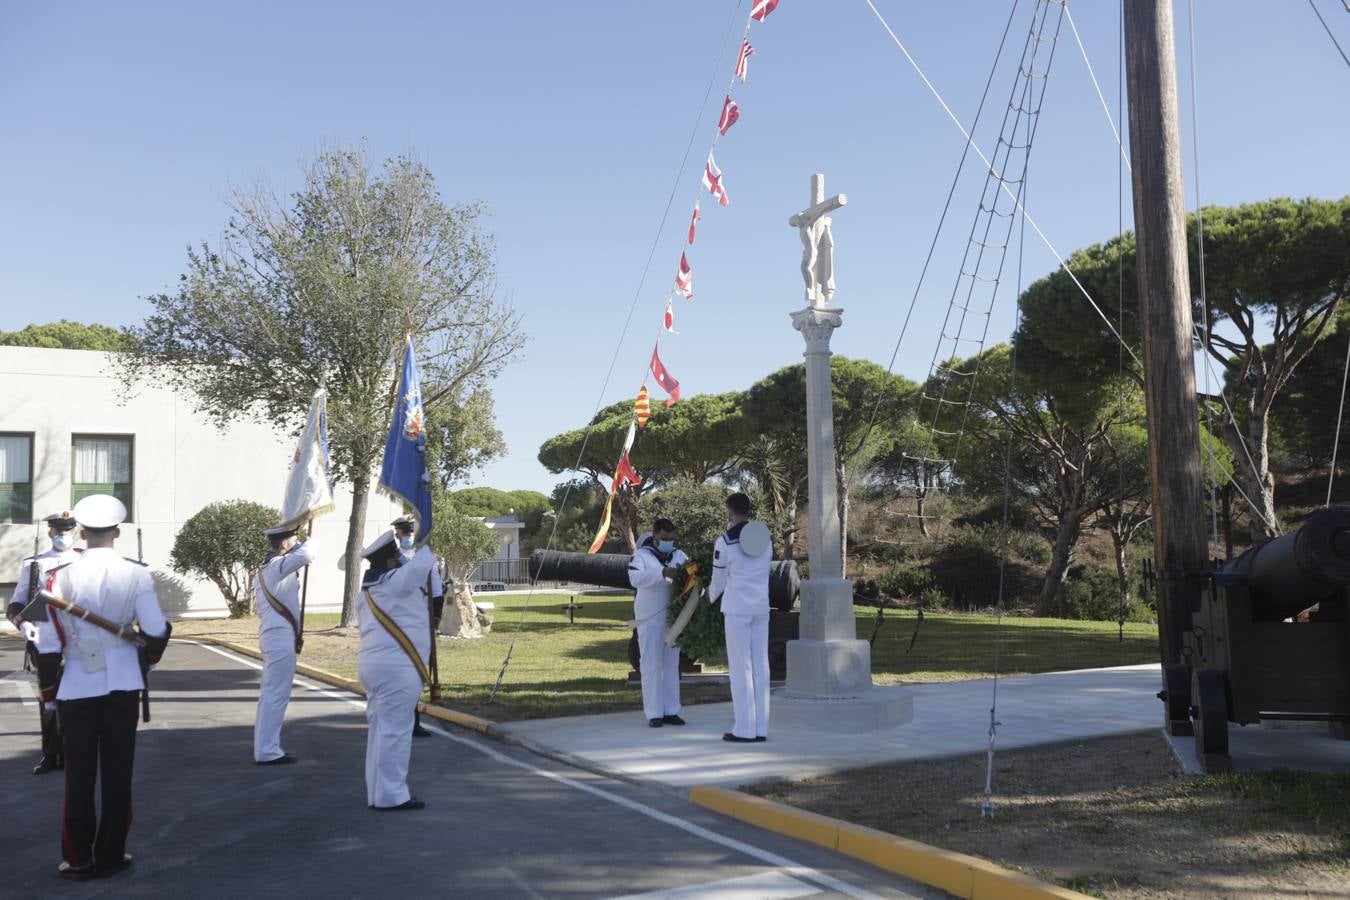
(1209, 691)
(1176, 698)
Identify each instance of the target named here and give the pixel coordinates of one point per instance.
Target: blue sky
(126, 123)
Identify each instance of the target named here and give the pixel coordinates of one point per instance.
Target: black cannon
(611, 570)
(1268, 638)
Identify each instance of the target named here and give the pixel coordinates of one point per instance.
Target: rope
(1093, 75)
(642, 280)
(1029, 220)
(1328, 30)
(1340, 412)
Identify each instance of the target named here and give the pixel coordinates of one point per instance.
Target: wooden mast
(1179, 544)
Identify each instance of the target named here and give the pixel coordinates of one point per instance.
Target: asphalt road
(500, 821)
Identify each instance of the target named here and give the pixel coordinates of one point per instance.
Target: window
(16, 478)
(101, 464)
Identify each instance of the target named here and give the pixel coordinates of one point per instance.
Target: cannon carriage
(1265, 636)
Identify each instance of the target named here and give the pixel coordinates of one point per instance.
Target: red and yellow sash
(399, 636)
(279, 607)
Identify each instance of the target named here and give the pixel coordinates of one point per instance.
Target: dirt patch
(1113, 817)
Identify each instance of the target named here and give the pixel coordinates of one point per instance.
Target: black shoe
(737, 740)
(410, 803)
(284, 760)
(656, 723)
(48, 765)
(120, 866)
(75, 873)
(672, 720)
(419, 731)
(759, 739)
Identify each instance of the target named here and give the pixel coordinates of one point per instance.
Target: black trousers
(100, 739)
(49, 679)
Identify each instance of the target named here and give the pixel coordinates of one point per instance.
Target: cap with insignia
(404, 523)
(375, 546)
(99, 512)
(62, 521)
(280, 531)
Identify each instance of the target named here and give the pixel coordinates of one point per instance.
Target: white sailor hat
(99, 512)
(280, 531)
(378, 544)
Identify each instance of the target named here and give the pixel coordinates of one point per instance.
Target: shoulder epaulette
(136, 561)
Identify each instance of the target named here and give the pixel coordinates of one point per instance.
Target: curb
(464, 720)
(956, 873)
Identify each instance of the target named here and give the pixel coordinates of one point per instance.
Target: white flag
(308, 490)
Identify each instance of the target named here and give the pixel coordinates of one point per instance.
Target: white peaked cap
(374, 546)
(99, 511)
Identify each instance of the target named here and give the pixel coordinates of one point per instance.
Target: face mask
(62, 540)
(665, 546)
(406, 542)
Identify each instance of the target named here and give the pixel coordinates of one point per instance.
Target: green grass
(1322, 799)
(559, 669)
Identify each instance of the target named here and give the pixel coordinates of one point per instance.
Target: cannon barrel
(1296, 571)
(611, 570)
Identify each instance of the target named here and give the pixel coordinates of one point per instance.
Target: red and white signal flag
(684, 279)
(693, 220)
(664, 378)
(730, 113)
(669, 322)
(712, 180)
(761, 9)
(743, 59)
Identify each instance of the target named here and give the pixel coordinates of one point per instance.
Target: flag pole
(434, 689)
(304, 589)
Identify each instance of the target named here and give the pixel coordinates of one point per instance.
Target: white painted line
(764, 886)
(23, 685)
(780, 862)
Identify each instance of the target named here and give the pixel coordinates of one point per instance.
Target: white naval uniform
(45, 562)
(49, 669)
(392, 683)
(659, 664)
(743, 584)
(276, 640)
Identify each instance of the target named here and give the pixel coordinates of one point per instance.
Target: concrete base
(876, 710)
(827, 609)
(829, 669)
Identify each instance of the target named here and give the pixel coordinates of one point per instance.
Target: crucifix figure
(817, 243)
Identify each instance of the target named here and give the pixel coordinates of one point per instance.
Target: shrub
(904, 580)
(933, 598)
(1093, 592)
(224, 543)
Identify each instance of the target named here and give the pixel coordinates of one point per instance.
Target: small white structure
(68, 428)
(508, 530)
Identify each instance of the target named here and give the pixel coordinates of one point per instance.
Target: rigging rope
(1328, 30)
(1340, 410)
(623, 333)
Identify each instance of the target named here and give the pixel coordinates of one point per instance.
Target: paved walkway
(500, 821)
(949, 720)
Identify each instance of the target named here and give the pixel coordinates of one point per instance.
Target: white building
(68, 429)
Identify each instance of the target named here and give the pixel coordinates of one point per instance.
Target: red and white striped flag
(712, 180)
(730, 113)
(684, 279)
(693, 220)
(743, 59)
(669, 321)
(664, 378)
(761, 9)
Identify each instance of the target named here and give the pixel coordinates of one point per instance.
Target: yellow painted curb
(956, 873)
(464, 720)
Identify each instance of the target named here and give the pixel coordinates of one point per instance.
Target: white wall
(180, 464)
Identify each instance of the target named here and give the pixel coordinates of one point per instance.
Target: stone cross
(817, 243)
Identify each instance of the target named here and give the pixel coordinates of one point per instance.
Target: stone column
(829, 660)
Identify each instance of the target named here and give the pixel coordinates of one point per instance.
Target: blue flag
(404, 474)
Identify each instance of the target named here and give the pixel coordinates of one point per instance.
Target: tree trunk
(356, 528)
(790, 515)
(1262, 491)
(1070, 525)
(1122, 572)
(919, 497)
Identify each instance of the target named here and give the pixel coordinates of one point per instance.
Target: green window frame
(16, 477)
(103, 464)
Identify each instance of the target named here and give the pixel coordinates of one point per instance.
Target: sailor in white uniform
(741, 580)
(277, 589)
(392, 665)
(652, 572)
(433, 590)
(40, 571)
(100, 687)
